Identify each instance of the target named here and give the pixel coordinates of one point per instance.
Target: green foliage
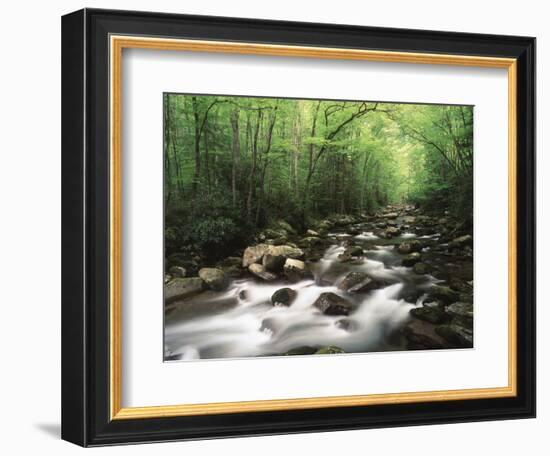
(213, 233)
(441, 163)
(210, 226)
(234, 164)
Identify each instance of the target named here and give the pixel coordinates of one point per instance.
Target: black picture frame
(85, 224)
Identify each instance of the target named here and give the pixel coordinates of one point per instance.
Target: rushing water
(242, 322)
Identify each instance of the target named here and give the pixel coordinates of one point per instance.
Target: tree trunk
(167, 164)
(364, 182)
(295, 156)
(236, 153)
(172, 123)
(266, 164)
(252, 180)
(311, 166)
(207, 162)
(197, 146)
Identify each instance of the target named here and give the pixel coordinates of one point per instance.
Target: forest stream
(398, 280)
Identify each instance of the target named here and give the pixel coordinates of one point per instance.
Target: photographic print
(223, 210)
(315, 227)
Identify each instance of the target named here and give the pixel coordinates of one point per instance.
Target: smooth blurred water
(242, 322)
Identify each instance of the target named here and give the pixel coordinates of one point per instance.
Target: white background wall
(30, 227)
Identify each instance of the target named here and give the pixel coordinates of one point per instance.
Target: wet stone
(283, 297)
(243, 295)
(273, 263)
(261, 272)
(332, 304)
(354, 279)
(295, 270)
(253, 254)
(215, 279)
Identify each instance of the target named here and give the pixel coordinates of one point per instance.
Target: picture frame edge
(86, 418)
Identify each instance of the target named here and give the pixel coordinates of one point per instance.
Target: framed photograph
(278, 227)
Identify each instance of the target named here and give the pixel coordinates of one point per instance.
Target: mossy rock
(329, 350)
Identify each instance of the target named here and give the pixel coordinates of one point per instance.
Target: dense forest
(233, 165)
(298, 227)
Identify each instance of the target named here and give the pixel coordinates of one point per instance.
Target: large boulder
(215, 279)
(275, 256)
(286, 251)
(181, 288)
(283, 297)
(456, 335)
(295, 270)
(354, 279)
(261, 272)
(273, 263)
(332, 304)
(356, 282)
(443, 294)
(254, 254)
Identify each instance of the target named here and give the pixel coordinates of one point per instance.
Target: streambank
(398, 280)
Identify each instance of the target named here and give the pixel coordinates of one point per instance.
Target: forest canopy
(235, 164)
